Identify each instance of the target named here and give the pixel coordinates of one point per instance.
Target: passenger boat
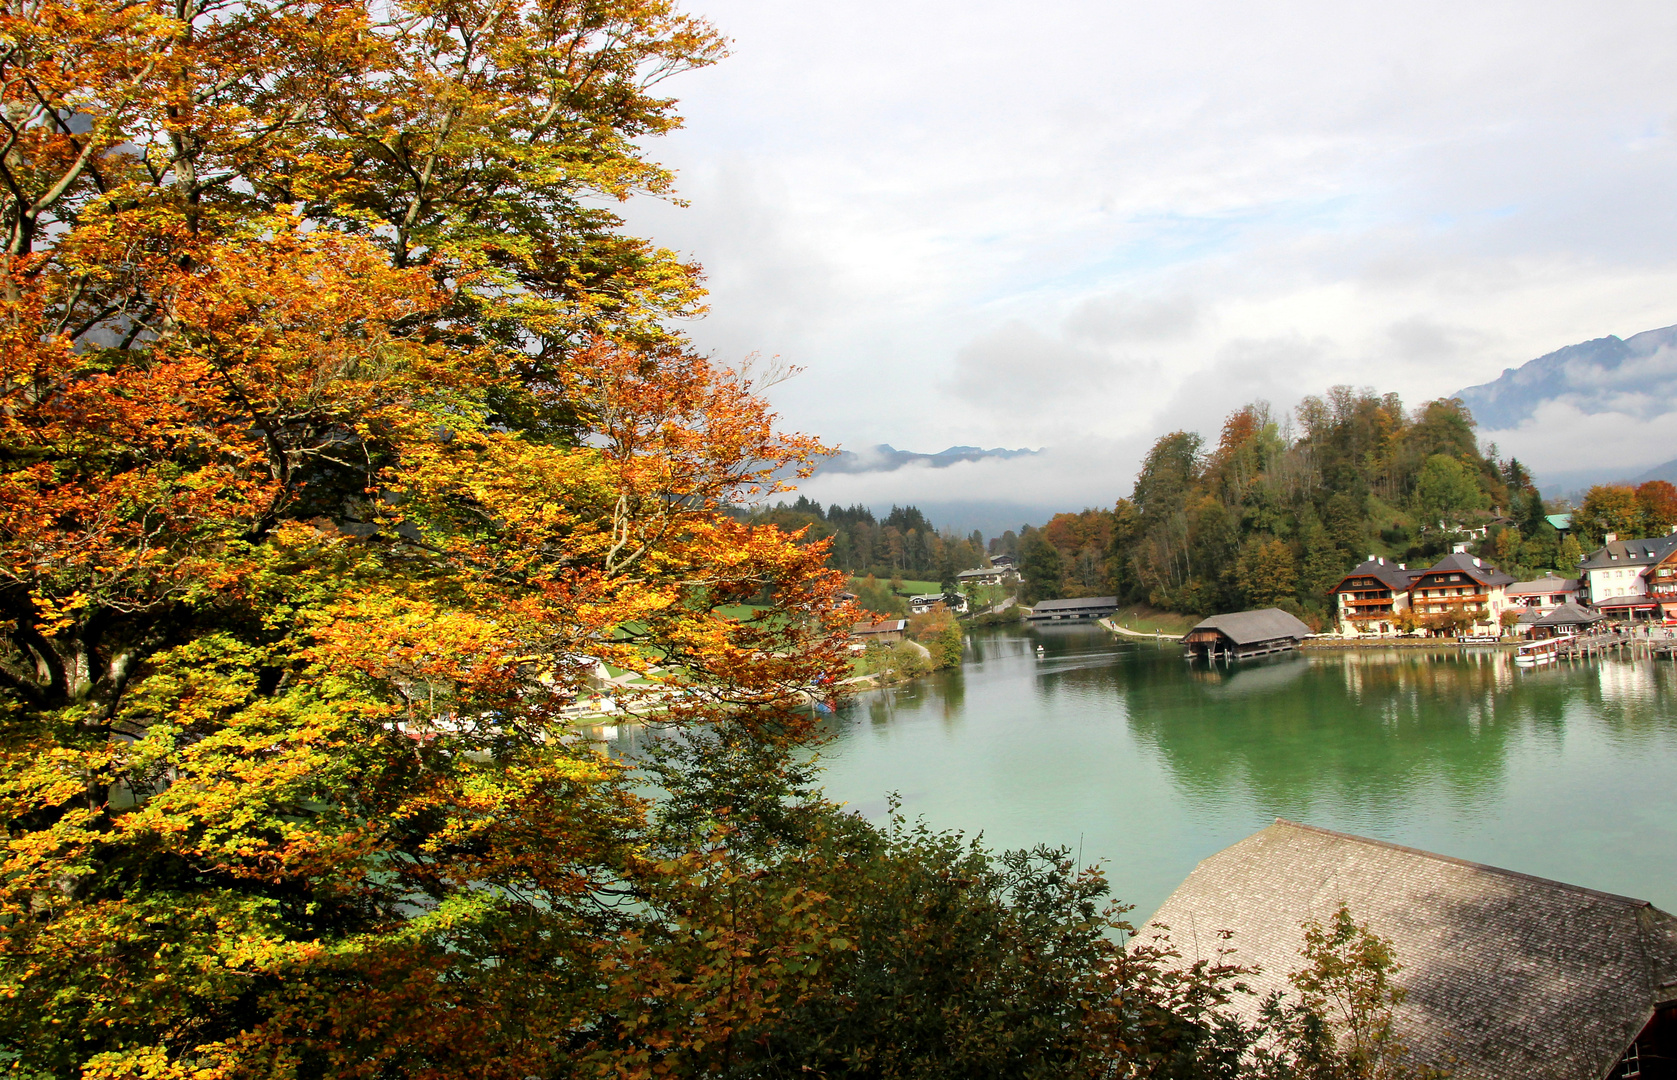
(1477, 639)
(1533, 653)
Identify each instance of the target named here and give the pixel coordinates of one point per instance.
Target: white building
(1615, 576)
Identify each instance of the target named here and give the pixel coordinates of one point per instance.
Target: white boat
(1533, 653)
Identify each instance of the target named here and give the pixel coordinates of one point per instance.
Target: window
(1631, 1063)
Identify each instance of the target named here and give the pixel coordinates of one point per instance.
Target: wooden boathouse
(1241, 634)
(1082, 607)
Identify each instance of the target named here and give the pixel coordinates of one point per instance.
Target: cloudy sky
(1076, 225)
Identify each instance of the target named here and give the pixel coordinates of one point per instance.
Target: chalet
(919, 604)
(1543, 595)
(1562, 523)
(1369, 598)
(885, 630)
(1504, 974)
(1617, 575)
(1004, 562)
(1082, 607)
(991, 575)
(1461, 583)
(1241, 634)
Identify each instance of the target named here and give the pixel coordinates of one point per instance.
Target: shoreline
(1399, 643)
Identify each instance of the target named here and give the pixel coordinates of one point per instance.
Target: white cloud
(1562, 438)
(1125, 215)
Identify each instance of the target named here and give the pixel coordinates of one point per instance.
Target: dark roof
(1389, 574)
(1630, 552)
(1482, 572)
(1631, 600)
(1246, 627)
(1570, 615)
(1549, 584)
(1079, 603)
(1506, 975)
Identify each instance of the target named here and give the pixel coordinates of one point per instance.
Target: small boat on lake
(1477, 639)
(1533, 653)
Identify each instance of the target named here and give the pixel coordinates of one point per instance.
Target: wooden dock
(1598, 646)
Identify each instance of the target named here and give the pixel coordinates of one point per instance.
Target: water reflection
(1153, 762)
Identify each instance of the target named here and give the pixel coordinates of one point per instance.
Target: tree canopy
(1283, 506)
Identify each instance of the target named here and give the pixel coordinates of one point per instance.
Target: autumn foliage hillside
(342, 437)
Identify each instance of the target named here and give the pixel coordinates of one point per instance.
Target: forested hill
(1274, 511)
(900, 544)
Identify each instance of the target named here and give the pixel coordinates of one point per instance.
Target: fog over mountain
(1595, 412)
(887, 458)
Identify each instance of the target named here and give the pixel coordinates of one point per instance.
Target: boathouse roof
(1505, 974)
(883, 626)
(1249, 627)
(1570, 615)
(1079, 603)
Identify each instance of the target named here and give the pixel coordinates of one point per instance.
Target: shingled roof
(1247, 627)
(1571, 615)
(1630, 552)
(1506, 975)
(1461, 562)
(1389, 574)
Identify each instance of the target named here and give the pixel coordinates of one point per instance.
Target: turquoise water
(1147, 764)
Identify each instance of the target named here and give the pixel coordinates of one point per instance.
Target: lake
(1139, 760)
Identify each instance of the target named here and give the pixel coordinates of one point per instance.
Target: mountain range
(1633, 378)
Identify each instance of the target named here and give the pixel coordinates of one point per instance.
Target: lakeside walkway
(1127, 632)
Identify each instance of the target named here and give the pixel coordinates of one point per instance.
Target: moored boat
(1533, 653)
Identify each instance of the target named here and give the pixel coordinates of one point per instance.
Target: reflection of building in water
(1505, 975)
(1627, 681)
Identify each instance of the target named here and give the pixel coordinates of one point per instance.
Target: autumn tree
(1609, 508)
(1657, 501)
(1266, 572)
(343, 435)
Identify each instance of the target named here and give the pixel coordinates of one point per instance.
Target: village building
(1504, 974)
(1543, 595)
(1661, 583)
(1562, 523)
(985, 575)
(1241, 634)
(1459, 582)
(885, 630)
(1566, 619)
(1369, 598)
(1004, 562)
(1617, 576)
(1083, 607)
(921, 603)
